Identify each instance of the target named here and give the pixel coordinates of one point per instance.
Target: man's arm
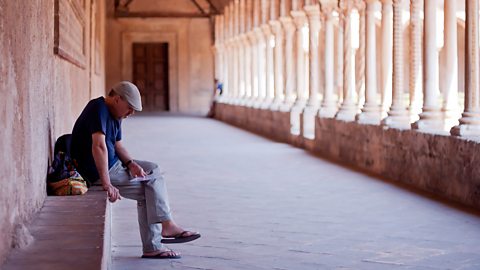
(100, 155)
(125, 157)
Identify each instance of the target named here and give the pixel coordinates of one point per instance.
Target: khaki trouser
(152, 200)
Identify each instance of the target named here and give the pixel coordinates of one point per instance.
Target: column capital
(327, 8)
(361, 4)
(299, 18)
(312, 10)
(346, 6)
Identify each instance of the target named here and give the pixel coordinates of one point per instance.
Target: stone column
(387, 49)
(279, 65)
(313, 14)
(218, 52)
(397, 115)
(348, 109)
(241, 51)
(470, 121)
(431, 118)
(313, 103)
(450, 78)
(300, 20)
(371, 113)
(227, 57)
(339, 62)
(329, 105)
(255, 71)
(290, 72)
(248, 12)
(261, 68)
(360, 55)
(269, 75)
(235, 51)
(415, 60)
(252, 38)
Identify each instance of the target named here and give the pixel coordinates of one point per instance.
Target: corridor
(265, 205)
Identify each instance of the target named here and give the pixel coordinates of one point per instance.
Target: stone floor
(266, 205)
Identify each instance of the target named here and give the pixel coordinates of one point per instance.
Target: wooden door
(150, 74)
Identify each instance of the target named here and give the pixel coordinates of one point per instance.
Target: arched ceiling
(169, 8)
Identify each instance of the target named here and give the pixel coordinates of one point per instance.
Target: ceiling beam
(198, 6)
(212, 6)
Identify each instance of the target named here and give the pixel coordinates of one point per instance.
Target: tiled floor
(266, 205)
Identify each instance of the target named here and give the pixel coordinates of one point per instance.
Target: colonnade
(325, 58)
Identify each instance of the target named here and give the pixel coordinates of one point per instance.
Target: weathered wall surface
(443, 165)
(41, 95)
(190, 55)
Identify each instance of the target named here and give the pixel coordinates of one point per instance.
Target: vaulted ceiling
(169, 8)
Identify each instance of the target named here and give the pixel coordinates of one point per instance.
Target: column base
(267, 102)
(450, 119)
(309, 114)
(469, 125)
(347, 113)
(430, 121)
(295, 113)
(327, 111)
(257, 103)
(369, 118)
(466, 130)
(276, 104)
(435, 126)
(397, 121)
(243, 101)
(249, 103)
(287, 105)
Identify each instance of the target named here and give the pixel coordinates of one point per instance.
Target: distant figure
(216, 92)
(219, 87)
(97, 147)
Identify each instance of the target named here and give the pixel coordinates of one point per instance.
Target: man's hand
(136, 170)
(112, 192)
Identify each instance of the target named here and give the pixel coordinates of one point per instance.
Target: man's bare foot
(161, 254)
(171, 229)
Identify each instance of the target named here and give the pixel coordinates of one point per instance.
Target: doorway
(150, 74)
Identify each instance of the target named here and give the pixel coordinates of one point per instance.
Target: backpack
(63, 177)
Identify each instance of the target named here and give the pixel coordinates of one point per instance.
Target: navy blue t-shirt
(94, 118)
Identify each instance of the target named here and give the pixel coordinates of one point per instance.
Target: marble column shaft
(290, 72)
(328, 107)
(398, 115)
(387, 49)
(313, 14)
(415, 86)
(470, 121)
(300, 21)
(279, 64)
(348, 109)
(371, 113)
(450, 78)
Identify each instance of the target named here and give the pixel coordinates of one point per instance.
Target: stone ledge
(438, 164)
(70, 232)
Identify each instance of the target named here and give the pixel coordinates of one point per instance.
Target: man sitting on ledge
(98, 150)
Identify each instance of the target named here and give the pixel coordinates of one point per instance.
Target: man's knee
(148, 166)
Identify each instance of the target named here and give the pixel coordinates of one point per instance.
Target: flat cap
(130, 93)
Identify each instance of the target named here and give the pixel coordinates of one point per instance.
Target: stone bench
(70, 232)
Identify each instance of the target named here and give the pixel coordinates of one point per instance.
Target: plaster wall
(190, 56)
(41, 95)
